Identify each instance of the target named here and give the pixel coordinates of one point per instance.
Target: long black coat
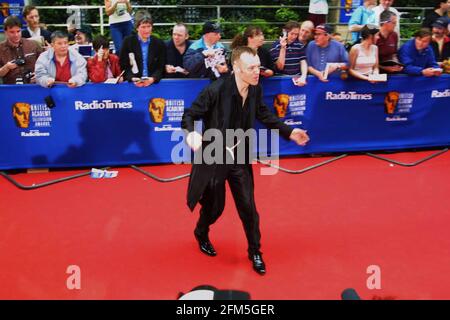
(213, 106)
(156, 57)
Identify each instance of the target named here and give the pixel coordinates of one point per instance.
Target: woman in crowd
(363, 57)
(104, 65)
(253, 37)
(119, 21)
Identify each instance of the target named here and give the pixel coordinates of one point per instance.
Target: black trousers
(240, 180)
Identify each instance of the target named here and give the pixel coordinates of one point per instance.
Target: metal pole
(102, 27)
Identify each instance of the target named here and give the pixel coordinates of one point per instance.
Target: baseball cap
(210, 26)
(326, 28)
(441, 22)
(85, 29)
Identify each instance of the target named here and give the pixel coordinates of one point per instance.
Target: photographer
(17, 56)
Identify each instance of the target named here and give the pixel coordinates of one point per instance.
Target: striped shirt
(295, 52)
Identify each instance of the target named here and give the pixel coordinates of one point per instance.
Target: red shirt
(63, 71)
(387, 47)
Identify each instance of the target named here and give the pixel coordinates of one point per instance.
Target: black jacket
(175, 58)
(44, 33)
(430, 19)
(156, 57)
(213, 106)
(445, 50)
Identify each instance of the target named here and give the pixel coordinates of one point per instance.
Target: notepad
(85, 50)
(378, 77)
(114, 80)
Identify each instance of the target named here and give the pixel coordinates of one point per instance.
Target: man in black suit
(34, 30)
(232, 102)
(142, 56)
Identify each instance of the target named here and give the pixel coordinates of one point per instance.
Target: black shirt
(175, 58)
(445, 54)
(430, 19)
(265, 58)
(44, 33)
(239, 115)
(239, 119)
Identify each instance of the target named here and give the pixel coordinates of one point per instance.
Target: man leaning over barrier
(61, 64)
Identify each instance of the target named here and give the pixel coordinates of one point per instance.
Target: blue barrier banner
(354, 115)
(101, 124)
(97, 124)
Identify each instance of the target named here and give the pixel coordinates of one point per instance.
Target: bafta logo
(21, 114)
(156, 108)
(280, 103)
(391, 101)
(4, 9)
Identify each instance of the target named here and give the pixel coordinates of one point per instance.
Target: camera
(19, 61)
(121, 9)
(27, 77)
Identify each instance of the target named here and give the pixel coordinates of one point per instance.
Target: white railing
(218, 9)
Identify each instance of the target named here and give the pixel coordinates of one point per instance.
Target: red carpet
(132, 236)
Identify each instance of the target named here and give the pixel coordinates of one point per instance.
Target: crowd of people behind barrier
(34, 55)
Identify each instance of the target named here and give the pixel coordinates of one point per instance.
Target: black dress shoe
(258, 263)
(205, 246)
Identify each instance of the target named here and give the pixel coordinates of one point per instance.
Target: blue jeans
(118, 32)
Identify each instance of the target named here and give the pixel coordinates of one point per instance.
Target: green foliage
(195, 32)
(286, 14)
(270, 31)
(233, 21)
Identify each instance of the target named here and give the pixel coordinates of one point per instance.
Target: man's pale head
(60, 43)
(180, 34)
(306, 31)
(246, 65)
